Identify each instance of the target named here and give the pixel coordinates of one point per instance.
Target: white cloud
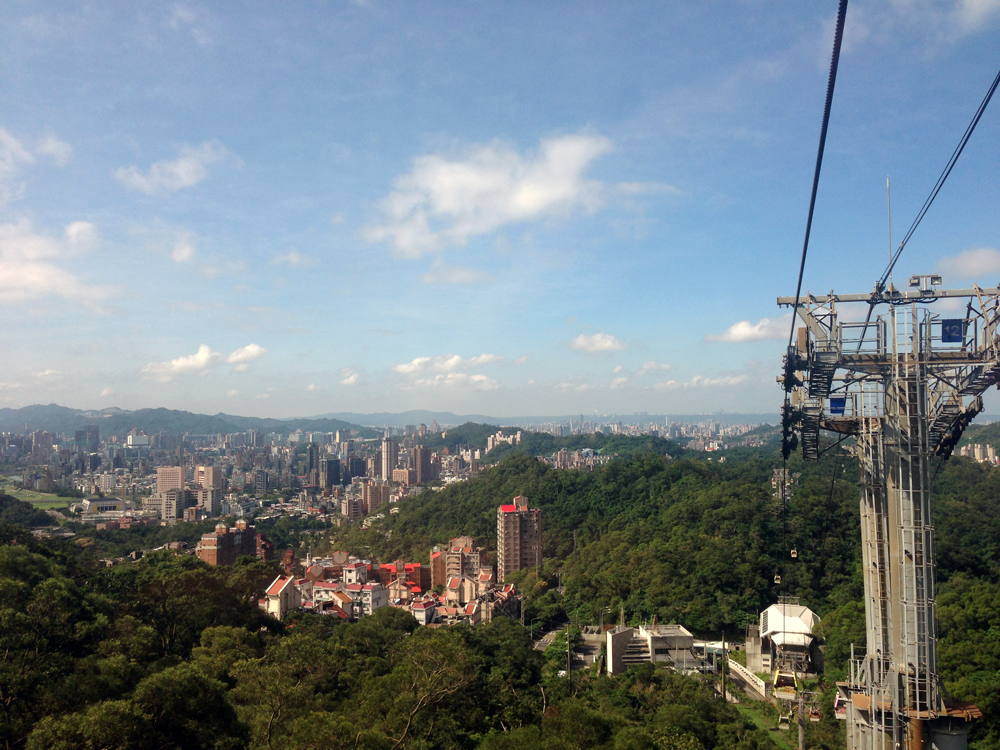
(9, 386)
(350, 376)
(619, 383)
(185, 19)
(571, 385)
(440, 273)
(762, 330)
(618, 369)
(598, 342)
(445, 363)
(30, 264)
(51, 377)
(311, 387)
(971, 264)
(13, 154)
(699, 381)
(107, 392)
(232, 393)
(443, 201)
(459, 380)
(183, 251)
(295, 260)
(652, 366)
(190, 168)
(248, 353)
(59, 151)
(647, 188)
(522, 359)
(263, 396)
(164, 372)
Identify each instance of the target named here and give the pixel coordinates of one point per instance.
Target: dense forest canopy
(168, 652)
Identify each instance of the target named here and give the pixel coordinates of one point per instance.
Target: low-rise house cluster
(350, 588)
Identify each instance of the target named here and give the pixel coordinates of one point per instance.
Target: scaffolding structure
(905, 385)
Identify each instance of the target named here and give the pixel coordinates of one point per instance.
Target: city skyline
(520, 210)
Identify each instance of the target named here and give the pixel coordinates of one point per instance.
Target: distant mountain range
(398, 419)
(115, 421)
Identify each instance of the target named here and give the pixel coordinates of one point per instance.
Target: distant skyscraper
(519, 537)
(312, 457)
(169, 478)
(329, 473)
(422, 464)
(207, 477)
(390, 457)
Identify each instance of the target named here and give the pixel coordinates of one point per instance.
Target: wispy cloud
(440, 273)
(295, 260)
(597, 343)
(15, 154)
(31, 264)
(183, 18)
(190, 168)
(458, 381)
(201, 361)
(652, 366)
(59, 151)
(444, 363)
(762, 330)
(183, 251)
(350, 375)
(971, 264)
(244, 356)
(699, 381)
(444, 201)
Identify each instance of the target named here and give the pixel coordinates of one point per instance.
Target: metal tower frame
(905, 385)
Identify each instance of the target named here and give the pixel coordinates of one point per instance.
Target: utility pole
(802, 722)
(723, 664)
(911, 382)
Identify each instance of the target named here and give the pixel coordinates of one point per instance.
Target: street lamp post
(531, 628)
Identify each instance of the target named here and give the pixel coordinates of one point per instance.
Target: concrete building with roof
(519, 537)
(670, 645)
(281, 597)
(784, 640)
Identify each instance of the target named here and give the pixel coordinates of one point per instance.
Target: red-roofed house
(281, 597)
(423, 611)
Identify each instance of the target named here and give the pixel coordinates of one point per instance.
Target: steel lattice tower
(905, 385)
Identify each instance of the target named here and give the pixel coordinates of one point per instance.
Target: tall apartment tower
(422, 464)
(390, 457)
(329, 473)
(519, 537)
(169, 478)
(208, 477)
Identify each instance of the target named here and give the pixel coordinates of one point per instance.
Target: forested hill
(700, 543)
(170, 653)
(55, 418)
(475, 435)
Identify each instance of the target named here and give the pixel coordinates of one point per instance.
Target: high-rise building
(175, 501)
(260, 482)
(208, 476)
(374, 495)
(169, 478)
(422, 464)
(519, 537)
(390, 456)
(312, 457)
(88, 439)
(329, 473)
(209, 499)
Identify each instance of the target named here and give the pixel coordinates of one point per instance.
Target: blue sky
(519, 208)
